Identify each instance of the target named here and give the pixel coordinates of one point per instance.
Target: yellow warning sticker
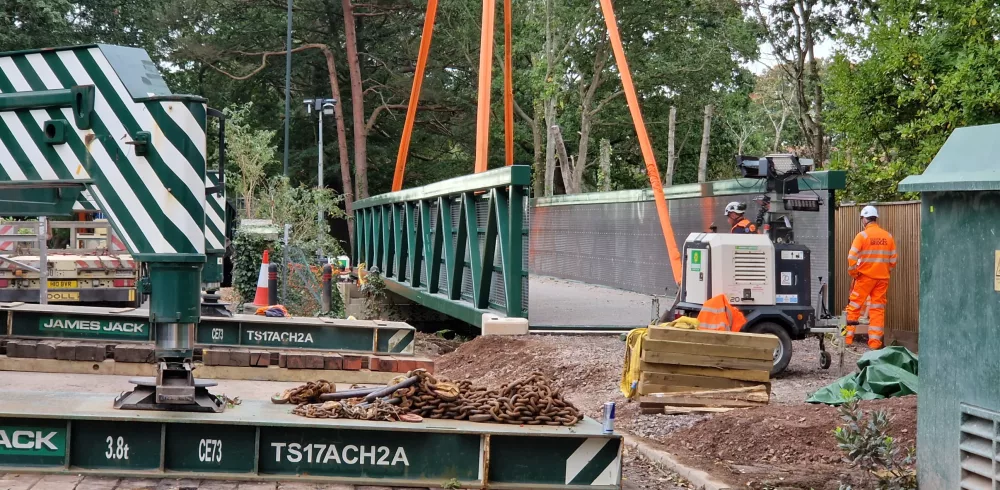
(996, 272)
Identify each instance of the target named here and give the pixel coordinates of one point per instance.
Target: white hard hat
(869, 212)
(736, 207)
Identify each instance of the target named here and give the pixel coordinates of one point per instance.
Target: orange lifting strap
(647, 149)
(483, 115)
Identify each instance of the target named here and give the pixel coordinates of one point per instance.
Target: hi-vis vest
(744, 226)
(873, 253)
(718, 314)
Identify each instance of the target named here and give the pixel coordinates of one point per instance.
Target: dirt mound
(793, 443)
(585, 369)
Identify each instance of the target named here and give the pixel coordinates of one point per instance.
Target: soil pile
(791, 444)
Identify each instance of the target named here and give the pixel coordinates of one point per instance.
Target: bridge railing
(458, 246)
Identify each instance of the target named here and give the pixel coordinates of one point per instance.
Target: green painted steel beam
(81, 433)
(42, 99)
(518, 175)
(103, 324)
(460, 310)
(825, 180)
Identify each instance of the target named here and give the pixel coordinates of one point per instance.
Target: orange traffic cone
(260, 298)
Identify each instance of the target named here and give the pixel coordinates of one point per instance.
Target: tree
(793, 28)
(910, 74)
(251, 151)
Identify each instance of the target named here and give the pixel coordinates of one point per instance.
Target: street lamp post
(322, 107)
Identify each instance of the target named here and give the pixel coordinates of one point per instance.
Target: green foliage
(248, 250)
(377, 304)
(299, 206)
(452, 484)
(252, 155)
(911, 73)
(866, 442)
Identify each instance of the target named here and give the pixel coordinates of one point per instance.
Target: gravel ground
(641, 473)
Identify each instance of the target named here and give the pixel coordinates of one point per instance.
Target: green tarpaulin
(883, 373)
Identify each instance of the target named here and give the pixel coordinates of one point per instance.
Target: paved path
(11, 481)
(560, 302)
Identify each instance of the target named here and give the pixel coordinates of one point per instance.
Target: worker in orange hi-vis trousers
(871, 259)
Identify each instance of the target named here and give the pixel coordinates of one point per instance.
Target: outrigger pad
(143, 397)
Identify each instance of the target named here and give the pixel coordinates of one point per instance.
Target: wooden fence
(902, 220)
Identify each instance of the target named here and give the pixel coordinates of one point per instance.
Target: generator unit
(767, 276)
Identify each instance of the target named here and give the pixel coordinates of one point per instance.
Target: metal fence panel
(620, 245)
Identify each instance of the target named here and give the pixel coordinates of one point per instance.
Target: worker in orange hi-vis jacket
(871, 259)
(720, 315)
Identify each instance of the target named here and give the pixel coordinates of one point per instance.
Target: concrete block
(295, 361)
(497, 325)
(86, 351)
(66, 351)
(405, 364)
(282, 360)
(45, 349)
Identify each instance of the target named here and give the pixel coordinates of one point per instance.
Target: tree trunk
(565, 166)
(550, 146)
(539, 153)
(668, 179)
(357, 101)
(550, 104)
(706, 131)
(604, 178)
(345, 162)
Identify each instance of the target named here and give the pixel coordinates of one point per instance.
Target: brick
(275, 357)
(282, 360)
(384, 364)
(46, 349)
(313, 361)
(333, 362)
(66, 351)
(137, 353)
(352, 362)
(90, 352)
(295, 361)
(260, 358)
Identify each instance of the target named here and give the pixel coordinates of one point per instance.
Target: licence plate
(63, 285)
(64, 296)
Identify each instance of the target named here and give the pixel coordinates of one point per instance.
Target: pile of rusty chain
(530, 401)
(307, 393)
(377, 410)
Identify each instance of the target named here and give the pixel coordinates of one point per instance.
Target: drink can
(609, 417)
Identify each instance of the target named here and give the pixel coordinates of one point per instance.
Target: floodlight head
(789, 164)
(752, 167)
(310, 104)
(328, 105)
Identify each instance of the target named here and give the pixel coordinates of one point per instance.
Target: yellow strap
(633, 358)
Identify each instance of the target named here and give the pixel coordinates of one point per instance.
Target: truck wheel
(783, 353)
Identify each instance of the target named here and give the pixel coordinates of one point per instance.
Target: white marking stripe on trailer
(28, 145)
(397, 338)
(7, 162)
(65, 153)
(183, 117)
(169, 155)
(585, 454)
(99, 197)
(157, 242)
